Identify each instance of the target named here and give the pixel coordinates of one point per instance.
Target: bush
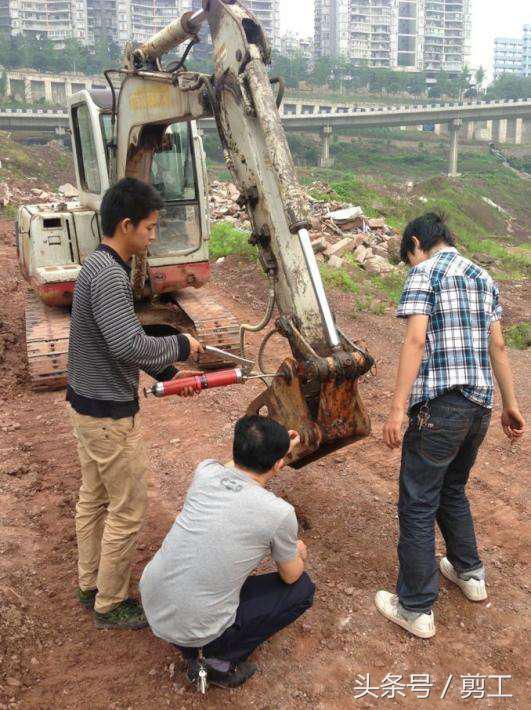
(226, 240)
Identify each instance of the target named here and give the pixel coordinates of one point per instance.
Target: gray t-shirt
(191, 588)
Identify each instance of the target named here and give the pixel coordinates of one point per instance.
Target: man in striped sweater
(108, 348)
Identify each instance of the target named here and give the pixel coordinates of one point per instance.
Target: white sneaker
(422, 625)
(473, 589)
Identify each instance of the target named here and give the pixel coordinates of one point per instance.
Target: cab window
(173, 175)
(87, 156)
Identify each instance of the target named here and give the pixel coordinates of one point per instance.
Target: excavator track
(47, 333)
(213, 325)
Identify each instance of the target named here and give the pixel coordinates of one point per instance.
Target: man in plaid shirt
(445, 384)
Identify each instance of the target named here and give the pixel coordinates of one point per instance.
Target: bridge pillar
(454, 128)
(27, 91)
(326, 159)
(518, 130)
(48, 90)
(502, 131)
(438, 129)
(470, 130)
(489, 130)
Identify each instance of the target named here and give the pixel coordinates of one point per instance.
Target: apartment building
(512, 55)
(507, 56)
(413, 35)
(89, 20)
(292, 44)
(56, 19)
(267, 13)
(526, 51)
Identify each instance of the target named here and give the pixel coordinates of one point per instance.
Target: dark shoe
(87, 598)
(237, 675)
(127, 615)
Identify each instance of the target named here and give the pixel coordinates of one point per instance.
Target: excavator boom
(316, 390)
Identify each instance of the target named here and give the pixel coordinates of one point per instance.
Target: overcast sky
(490, 18)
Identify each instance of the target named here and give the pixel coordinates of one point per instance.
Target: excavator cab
(177, 170)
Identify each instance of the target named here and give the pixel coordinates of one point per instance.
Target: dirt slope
(51, 656)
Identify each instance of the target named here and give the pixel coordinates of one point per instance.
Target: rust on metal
(47, 333)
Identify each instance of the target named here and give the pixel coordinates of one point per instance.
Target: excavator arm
(316, 390)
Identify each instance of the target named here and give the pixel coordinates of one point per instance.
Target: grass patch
(340, 278)
(10, 212)
(226, 240)
(391, 286)
(518, 336)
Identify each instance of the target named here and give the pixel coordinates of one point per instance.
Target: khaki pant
(111, 506)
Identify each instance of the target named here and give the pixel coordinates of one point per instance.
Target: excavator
(145, 126)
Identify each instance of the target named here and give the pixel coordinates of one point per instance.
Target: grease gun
(208, 380)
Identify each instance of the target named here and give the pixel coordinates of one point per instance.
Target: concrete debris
(6, 195)
(337, 229)
(378, 266)
(335, 261)
(339, 248)
(362, 253)
(68, 190)
(347, 215)
(14, 194)
(319, 245)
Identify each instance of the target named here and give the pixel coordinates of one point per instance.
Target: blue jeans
(437, 456)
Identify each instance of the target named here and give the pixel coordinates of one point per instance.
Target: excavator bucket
(328, 415)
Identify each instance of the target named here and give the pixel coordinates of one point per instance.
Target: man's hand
(513, 423)
(295, 440)
(392, 431)
(195, 347)
(187, 391)
(302, 550)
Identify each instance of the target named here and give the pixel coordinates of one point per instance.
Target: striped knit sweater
(108, 346)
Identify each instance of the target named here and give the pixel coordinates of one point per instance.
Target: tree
(322, 70)
(464, 81)
(510, 86)
(480, 77)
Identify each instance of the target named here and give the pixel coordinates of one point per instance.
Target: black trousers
(267, 605)
(436, 462)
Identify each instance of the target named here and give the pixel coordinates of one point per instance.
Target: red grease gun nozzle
(204, 381)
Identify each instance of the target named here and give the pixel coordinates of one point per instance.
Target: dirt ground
(51, 655)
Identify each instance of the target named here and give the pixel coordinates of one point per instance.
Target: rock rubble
(337, 229)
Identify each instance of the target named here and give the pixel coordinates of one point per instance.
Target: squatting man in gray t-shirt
(197, 591)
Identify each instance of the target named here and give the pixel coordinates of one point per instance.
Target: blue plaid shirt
(461, 301)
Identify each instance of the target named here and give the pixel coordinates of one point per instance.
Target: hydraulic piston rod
(171, 36)
(317, 282)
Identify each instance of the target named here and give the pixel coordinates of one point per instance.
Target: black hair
(430, 229)
(259, 442)
(128, 199)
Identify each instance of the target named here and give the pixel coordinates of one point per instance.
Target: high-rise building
(291, 44)
(526, 51)
(267, 12)
(412, 35)
(90, 20)
(512, 55)
(55, 19)
(507, 56)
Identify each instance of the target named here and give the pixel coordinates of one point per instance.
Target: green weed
(225, 240)
(518, 336)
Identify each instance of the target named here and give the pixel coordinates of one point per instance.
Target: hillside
(23, 167)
